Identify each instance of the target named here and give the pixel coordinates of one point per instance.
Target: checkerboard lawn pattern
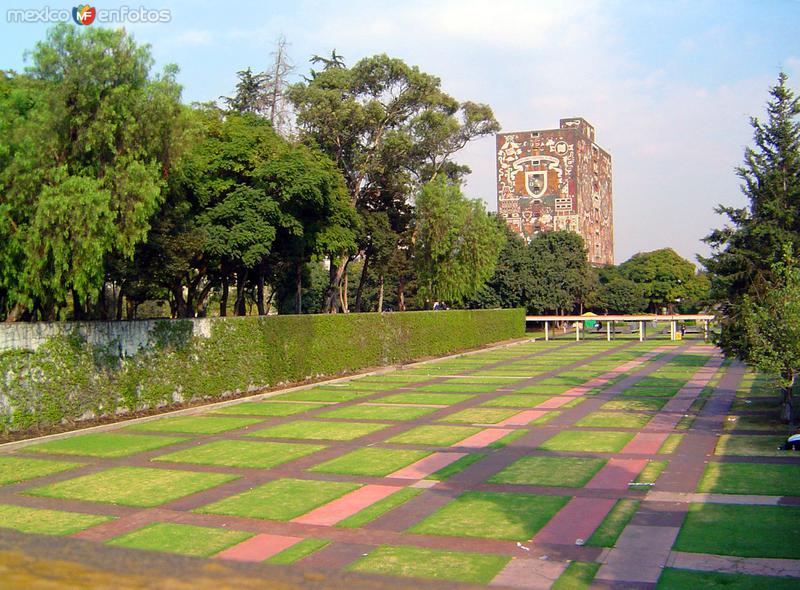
(195, 424)
(371, 462)
(614, 420)
(323, 395)
(439, 399)
(242, 453)
(183, 539)
(635, 405)
(104, 444)
(267, 408)
(744, 531)
(132, 486)
(46, 522)
(320, 430)
(298, 551)
(432, 564)
(675, 579)
(389, 413)
(610, 529)
(751, 478)
(479, 416)
(524, 400)
(516, 517)
(596, 442)
(282, 499)
(443, 436)
(16, 469)
(379, 508)
(569, 472)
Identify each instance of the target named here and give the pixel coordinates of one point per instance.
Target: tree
(746, 251)
(456, 244)
(664, 277)
(619, 296)
(510, 283)
(560, 272)
(771, 328)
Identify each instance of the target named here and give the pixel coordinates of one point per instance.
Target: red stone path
(577, 520)
(523, 418)
(616, 474)
(425, 467)
(645, 443)
(341, 508)
(484, 438)
(258, 548)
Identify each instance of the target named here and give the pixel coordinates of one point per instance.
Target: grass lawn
(391, 413)
(15, 469)
(456, 467)
(479, 416)
(323, 395)
(516, 517)
(740, 445)
(635, 405)
(569, 472)
(371, 462)
(132, 486)
(610, 529)
(298, 551)
(658, 392)
(675, 579)
(458, 386)
(769, 422)
(648, 475)
(184, 539)
(595, 442)
(195, 424)
(379, 508)
(417, 562)
(104, 444)
(442, 436)
(744, 531)
(751, 478)
(319, 430)
(670, 444)
(282, 499)
(46, 522)
(241, 453)
(614, 420)
(523, 400)
(440, 399)
(267, 408)
(577, 576)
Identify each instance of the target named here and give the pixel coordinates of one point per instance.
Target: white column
(546, 331)
(641, 331)
(705, 331)
(577, 331)
(608, 331)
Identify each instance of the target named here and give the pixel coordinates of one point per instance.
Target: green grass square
(241, 453)
(323, 395)
(516, 517)
(371, 462)
(616, 520)
(614, 420)
(379, 508)
(635, 405)
(456, 466)
(46, 522)
(320, 430)
(16, 469)
(132, 486)
(298, 551)
(459, 386)
(770, 423)
(741, 445)
(524, 401)
(676, 579)
(184, 539)
(479, 416)
(195, 424)
(743, 531)
(577, 576)
(636, 391)
(442, 436)
(105, 444)
(282, 499)
(433, 564)
(268, 408)
(439, 399)
(593, 442)
(569, 472)
(751, 478)
(370, 412)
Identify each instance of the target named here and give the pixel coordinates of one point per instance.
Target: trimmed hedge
(67, 380)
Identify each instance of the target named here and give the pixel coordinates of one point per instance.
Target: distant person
(683, 330)
(792, 443)
(436, 306)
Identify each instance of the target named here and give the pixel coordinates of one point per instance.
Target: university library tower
(557, 179)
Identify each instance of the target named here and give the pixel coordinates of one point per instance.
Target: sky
(669, 86)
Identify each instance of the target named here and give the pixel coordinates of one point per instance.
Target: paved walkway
(642, 551)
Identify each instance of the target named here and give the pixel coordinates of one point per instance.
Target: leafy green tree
(560, 273)
(745, 251)
(456, 244)
(619, 296)
(511, 281)
(664, 277)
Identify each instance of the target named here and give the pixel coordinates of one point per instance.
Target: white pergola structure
(610, 319)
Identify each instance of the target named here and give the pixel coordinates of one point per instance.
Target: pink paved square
(577, 520)
(617, 474)
(258, 548)
(424, 467)
(484, 438)
(522, 418)
(555, 402)
(646, 443)
(332, 512)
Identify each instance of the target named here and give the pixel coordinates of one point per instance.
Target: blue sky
(669, 86)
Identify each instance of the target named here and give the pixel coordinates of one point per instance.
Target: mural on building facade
(557, 179)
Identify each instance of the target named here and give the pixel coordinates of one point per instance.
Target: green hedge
(67, 380)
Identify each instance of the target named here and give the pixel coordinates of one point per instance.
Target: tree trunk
(332, 302)
(361, 281)
(180, 302)
(77, 309)
(239, 307)
(120, 301)
(343, 293)
(16, 313)
(260, 291)
(401, 295)
(380, 294)
(223, 300)
(298, 287)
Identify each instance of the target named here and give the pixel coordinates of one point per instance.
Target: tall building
(557, 179)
